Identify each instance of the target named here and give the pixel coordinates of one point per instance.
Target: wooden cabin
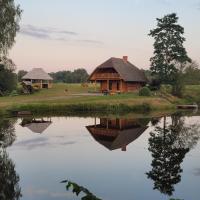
(118, 75)
(116, 133)
(37, 78)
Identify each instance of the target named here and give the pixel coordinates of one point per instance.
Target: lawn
(77, 94)
(67, 94)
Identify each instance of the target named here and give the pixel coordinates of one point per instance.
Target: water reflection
(7, 132)
(64, 147)
(117, 133)
(168, 144)
(36, 125)
(9, 179)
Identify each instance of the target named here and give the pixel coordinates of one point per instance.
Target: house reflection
(117, 133)
(36, 125)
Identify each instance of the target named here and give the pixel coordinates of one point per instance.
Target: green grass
(77, 98)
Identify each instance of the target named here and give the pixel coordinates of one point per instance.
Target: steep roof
(126, 70)
(36, 126)
(122, 138)
(38, 74)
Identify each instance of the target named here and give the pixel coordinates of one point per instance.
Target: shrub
(14, 93)
(154, 84)
(144, 92)
(166, 89)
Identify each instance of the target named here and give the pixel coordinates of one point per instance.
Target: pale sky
(69, 34)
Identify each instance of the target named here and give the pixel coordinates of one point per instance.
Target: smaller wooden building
(36, 125)
(37, 78)
(118, 75)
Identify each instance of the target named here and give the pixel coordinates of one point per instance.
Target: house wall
(123, 86)
(50, 84)
(118, 123)
(130, 87)
(103, 85)
(39, 84)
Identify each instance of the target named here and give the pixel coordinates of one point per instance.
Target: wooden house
(116, 133)
(118, 75)
(37, 78)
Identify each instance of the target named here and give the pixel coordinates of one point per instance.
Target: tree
(80, 75)
(9, 179)
(7, 132)
(20, 74)
(168, 144)
(9, 22)
(8, 79)
(170, 56)
(77, 76)
(192, 74)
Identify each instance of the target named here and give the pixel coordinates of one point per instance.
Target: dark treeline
(77, 76)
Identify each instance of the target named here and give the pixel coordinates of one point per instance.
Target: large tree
(10, 14)
(9, 22)
(170, 56)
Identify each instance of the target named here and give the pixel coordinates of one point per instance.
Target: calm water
(116, 159)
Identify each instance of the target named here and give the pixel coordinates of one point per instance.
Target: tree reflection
(9, 180)
(168, 144)
(7, 132)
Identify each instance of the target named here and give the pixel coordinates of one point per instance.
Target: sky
(69, 34)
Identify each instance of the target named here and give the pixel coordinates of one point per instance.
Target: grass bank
(74, 98)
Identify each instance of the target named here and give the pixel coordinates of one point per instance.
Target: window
(118, 85)
(110, 85)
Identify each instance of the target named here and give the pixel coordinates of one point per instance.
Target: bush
(154, 84)
(166, 89)
(145, 92)
(14, 93)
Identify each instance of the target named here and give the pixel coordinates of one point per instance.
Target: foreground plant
(77, 189)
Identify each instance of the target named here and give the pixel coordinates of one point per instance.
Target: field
(77, 95)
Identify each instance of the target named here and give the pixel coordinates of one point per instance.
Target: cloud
(35, 34)
(197, 172)
(41, 142)
(164, 2)
(198, 6)
(46, 194)
(45, 33)
(90, 41)
(49, 33)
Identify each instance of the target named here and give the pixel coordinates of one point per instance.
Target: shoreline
(87, 109)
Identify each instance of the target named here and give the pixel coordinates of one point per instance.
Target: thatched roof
(36, 126)
(126, 70)
(37, 74)
(122, 138)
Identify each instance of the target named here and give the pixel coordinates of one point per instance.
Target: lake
(131, 158)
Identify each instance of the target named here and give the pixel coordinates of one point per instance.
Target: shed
(37, 77)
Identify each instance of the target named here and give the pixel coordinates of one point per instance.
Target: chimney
(124, 148)
(125, 58)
